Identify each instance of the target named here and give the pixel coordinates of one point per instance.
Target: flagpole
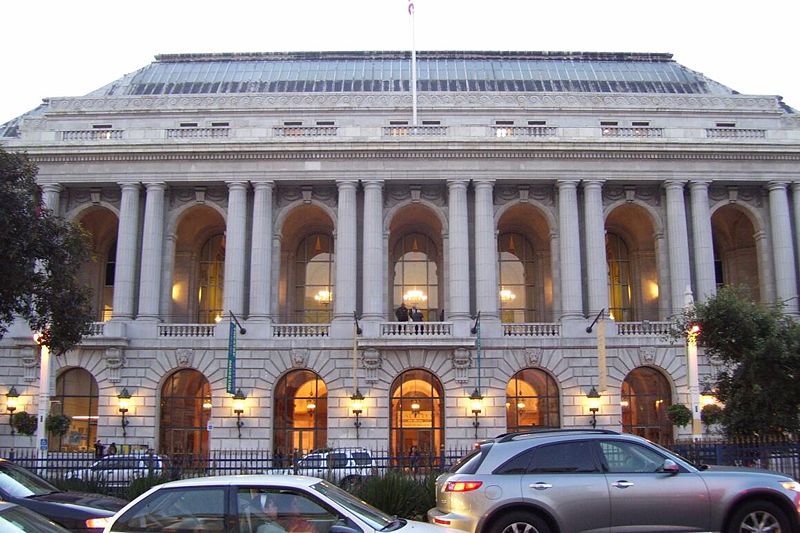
(413, 67)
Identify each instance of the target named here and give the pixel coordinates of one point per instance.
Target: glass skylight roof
(334, 72)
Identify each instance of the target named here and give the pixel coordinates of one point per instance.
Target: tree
(759, 351)
(42, 256)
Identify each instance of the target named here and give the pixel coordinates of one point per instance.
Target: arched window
(211, 280)
(108, 281)
(301, 413)
(76, 397)
(417, 414)
(620, 305)
(645, 398)
(416, 278)
(314, 270)
(532, 401)
(185, 408)
(517, 275)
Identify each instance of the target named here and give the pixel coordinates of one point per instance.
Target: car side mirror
(670, 467)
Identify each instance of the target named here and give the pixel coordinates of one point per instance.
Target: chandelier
(507, 296)
(324, 297)
(415, 296)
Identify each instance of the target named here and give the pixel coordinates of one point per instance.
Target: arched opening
(185, 410)
(76, 397)
(211, 280)
(417, 415)
(645, 398)
(524, 260)
(735, 252)
(301, 413)
(532, 401)
(633, 287)
(416, 274)
(98, 273)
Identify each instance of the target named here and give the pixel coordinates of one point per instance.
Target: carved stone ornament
(462, 361)
(185, 356)
(533, 356)
(30, 360)
(299, 357)
(115, 361)
(647, 354)
(372, 361)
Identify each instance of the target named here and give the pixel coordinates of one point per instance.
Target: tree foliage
(43, 254)
(759, 351)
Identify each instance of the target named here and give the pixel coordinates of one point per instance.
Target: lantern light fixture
(594, 404)
(238, 409)
(124, 398)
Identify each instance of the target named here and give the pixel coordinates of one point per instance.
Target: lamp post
(238, 409)
(357, 406)
(594, 404)
(11, 405)
(476, 406)
(124, 398)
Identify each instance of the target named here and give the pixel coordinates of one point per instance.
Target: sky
(55, 48)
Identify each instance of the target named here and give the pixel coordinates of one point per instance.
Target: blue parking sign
(43, 444)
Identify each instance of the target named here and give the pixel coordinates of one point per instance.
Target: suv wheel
(520, 522)
(759, 516)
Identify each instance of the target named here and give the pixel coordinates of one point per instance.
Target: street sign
(43, 444)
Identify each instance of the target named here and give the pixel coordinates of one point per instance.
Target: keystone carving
(185, 356)
(372, 362)
(115, 361)
(462, 361)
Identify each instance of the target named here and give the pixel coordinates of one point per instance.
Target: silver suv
(565, 481)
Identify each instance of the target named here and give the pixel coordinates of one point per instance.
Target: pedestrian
(112, 448)
(416, 314)
(98, 449)
(402, 313)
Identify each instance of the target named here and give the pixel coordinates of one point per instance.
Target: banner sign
(230, 380)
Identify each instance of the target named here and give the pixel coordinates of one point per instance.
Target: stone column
(679, 275)
(152, 251)
(704, 275)
(486, 282)
(782, 248)
(51, 196)
(458, 308)
(569, 250)
(344, 294)
(235, 268)
(373, 257)
(596, 261)
(127, 253)
(167, 272)
(261, 252)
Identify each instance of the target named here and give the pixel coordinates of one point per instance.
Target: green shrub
(58, 425)
(398, 493)
(679, 415)
(80, 485)
(141, 485)
(711, 414)
(24, 423)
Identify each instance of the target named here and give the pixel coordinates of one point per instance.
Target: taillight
(462, 486)
(441, 522)
(98, 523)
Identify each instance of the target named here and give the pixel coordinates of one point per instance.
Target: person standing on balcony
(416, 314)
(402, 313)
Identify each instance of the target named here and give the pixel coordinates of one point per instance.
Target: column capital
(130, 185)
(567, 184)
(593, 183)
(155, 185)
(703, 183)
(674, 184)
(457, 184)
(777, 185)
(237, 184)
(346, 184)
(263, 185)
(372, 183)
(482, 183)
(52, 187)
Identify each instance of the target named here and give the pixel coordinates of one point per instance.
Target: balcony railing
(186, 330)
(91, 135)
(416, 329)
(305, 131)
(633, 132)
(414, 131)
(198, 133)
(96, 329)
(301, 330)
(644, 327)
(532, 329)
(735, 133)
(523, 131)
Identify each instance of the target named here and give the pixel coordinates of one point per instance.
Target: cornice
(391, 101)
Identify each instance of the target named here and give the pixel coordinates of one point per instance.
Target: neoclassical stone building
(574, 201)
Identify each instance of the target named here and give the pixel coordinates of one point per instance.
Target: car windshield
(21, 483)
(376, 518)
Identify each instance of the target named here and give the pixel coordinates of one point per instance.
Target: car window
(517, 464)
(564, 457)
(177, 510)
(278, 510)
(630, 457)
(312, 461)
(20, 483)
(362, 458)
(469, 463)
(337, 460)
(15, 519)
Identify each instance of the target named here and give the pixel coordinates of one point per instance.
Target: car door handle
(540, 486)
(623, 484)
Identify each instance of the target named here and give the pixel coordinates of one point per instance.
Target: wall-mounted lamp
(357, 406)
(124, 398)
(238, 408)
(476, 406)
(594, 404)
(11, 405)
(415, 408)
(207, 404)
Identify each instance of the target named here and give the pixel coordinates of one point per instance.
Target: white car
(257, 504)
(343, 466)
(119, 470)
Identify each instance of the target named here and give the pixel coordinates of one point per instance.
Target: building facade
(545, 213)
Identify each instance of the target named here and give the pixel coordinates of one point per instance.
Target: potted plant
(711, 414)
(24, 423)
(57, 425)
(679, 414)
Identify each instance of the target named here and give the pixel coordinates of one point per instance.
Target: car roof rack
(505, 437)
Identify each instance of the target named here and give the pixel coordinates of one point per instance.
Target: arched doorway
(76, 397)
(185, 408)
(301, 413)
(417, 415)
(532, 401)
(646, 396)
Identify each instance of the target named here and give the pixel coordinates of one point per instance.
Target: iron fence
(778, 455)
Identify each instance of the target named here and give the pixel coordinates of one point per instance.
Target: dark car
(16, 519)
(75, 511)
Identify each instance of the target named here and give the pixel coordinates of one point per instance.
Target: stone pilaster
(235, 228)
(569, 250)
(373, 256)
(127, 253)
(152, 251)
(261, 252)
(705, 279)
(782, 249)
(677, 242)
(344, 294)
(458, 254)
(485, 252)
(595, 232)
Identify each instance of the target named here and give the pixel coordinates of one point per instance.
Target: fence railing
(532, 329)
(777, 455)
(416, 329)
